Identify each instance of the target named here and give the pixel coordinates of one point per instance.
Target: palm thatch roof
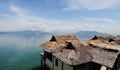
(98, 43)
(63, 38)
(52, 46)
(104, 57)
(115, 39)
(72, 51)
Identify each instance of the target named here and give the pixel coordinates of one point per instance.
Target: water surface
(20, 53)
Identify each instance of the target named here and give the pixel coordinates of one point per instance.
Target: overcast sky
(60, 15)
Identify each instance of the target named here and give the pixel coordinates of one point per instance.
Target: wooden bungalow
(67, 52)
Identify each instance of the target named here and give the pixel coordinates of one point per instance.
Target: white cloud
(91, 4)
(16, 10)
(98, 19)
(23, 21)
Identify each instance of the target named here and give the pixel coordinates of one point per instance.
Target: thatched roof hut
(109, 38)
(72, 51)
(58, 42)
(106, 49)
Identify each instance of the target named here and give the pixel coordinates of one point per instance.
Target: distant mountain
(88, 34)
(29, 33)
(26, 33)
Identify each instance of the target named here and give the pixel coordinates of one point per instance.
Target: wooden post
(53, 62)
(62, 65)
(41, 65)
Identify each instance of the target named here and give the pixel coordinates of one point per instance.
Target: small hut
(67, 52)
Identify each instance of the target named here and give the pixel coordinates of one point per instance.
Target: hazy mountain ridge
(29, 33)
(26, 33)
(88, 34)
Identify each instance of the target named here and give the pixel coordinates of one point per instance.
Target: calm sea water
(20, 53)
